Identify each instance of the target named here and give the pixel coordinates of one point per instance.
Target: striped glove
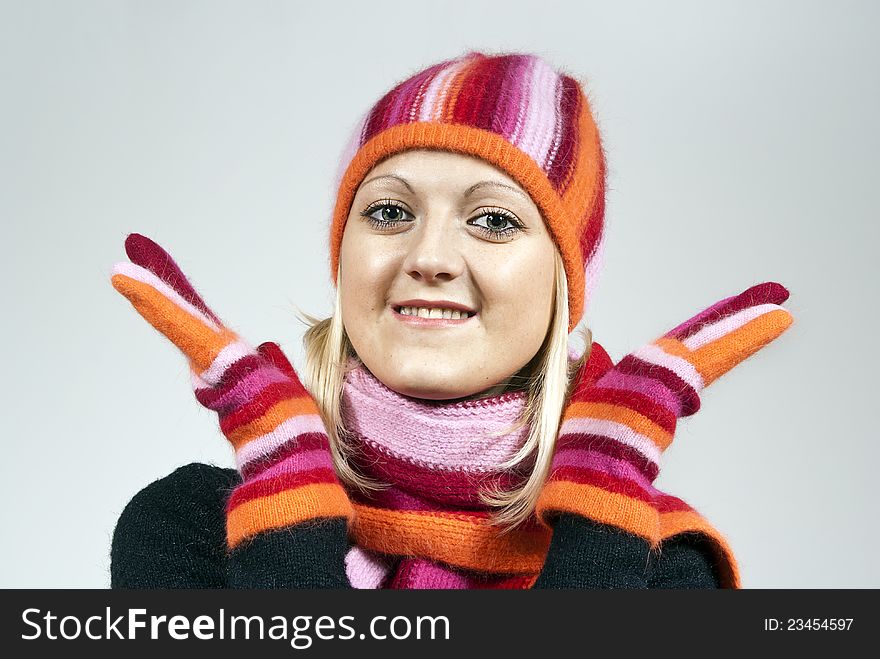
(281, 445)
(615, 428)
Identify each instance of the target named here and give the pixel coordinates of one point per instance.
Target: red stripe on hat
(561, 169)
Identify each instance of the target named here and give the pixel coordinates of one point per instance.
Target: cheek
(519, 295)
(365, 273)
(366, 277)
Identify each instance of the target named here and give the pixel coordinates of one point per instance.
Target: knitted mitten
(281, 446)
(614, 429)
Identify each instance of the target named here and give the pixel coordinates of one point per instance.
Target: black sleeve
(307, 555)
(172, 534)
(683, 561)
(587, 554)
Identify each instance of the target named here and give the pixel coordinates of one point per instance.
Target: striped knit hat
(515, 112)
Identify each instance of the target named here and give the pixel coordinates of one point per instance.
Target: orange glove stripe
(715, 359)
(595, 503)
(200, 343)
(319, 500)
(620, 414)
(271, 419)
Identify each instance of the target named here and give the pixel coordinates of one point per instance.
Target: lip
(446, 304)
(418, 321)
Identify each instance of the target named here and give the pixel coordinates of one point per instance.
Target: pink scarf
(436, 456)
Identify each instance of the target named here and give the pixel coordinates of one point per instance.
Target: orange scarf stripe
(200, 343)
(272, 418)
(466, 543)
(622, 414)
(306, 503)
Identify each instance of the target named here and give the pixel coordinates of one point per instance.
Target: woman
(447, 438)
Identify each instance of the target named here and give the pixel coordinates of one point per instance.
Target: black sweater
(172, 534)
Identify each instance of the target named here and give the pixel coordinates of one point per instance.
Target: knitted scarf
(429, 529)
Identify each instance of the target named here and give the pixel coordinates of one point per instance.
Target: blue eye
(385, 214)
(500, 224)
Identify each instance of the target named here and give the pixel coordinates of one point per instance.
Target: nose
(434, 253)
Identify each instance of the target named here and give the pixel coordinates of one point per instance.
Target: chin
(438, 386)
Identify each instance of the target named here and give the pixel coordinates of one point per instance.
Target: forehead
(433, 168)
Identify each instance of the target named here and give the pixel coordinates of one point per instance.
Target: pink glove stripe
(297, 462)
(766, 293)
(144, 252)
(726, 325)
(254, 408)
(612, 449)
(653, 354)
(146, 277)
(213, 375)
(692, 325)
(222, 398)
(646, 386)
(629, 400)
(306, 442)
(597, 461)
(207, 393)
(292, 432)
(590, 429)
(689, 399)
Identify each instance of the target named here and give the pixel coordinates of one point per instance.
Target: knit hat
(515, 112)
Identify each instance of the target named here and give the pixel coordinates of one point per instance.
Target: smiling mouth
(434, 314)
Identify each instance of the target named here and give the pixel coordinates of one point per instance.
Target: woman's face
(430, 232)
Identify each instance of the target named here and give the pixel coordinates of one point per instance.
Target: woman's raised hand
(615, 428)
(281, 445)
(690, 357)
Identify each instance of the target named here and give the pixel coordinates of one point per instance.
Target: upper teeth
(433, 312)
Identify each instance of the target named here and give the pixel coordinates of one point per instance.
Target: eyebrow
(494, 184)
(467, 193)
(390, 176)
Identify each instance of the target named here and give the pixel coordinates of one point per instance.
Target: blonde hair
(546, 380)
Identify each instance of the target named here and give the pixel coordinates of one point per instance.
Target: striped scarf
(429, 529)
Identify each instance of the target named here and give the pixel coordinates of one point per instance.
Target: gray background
(742, 142)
